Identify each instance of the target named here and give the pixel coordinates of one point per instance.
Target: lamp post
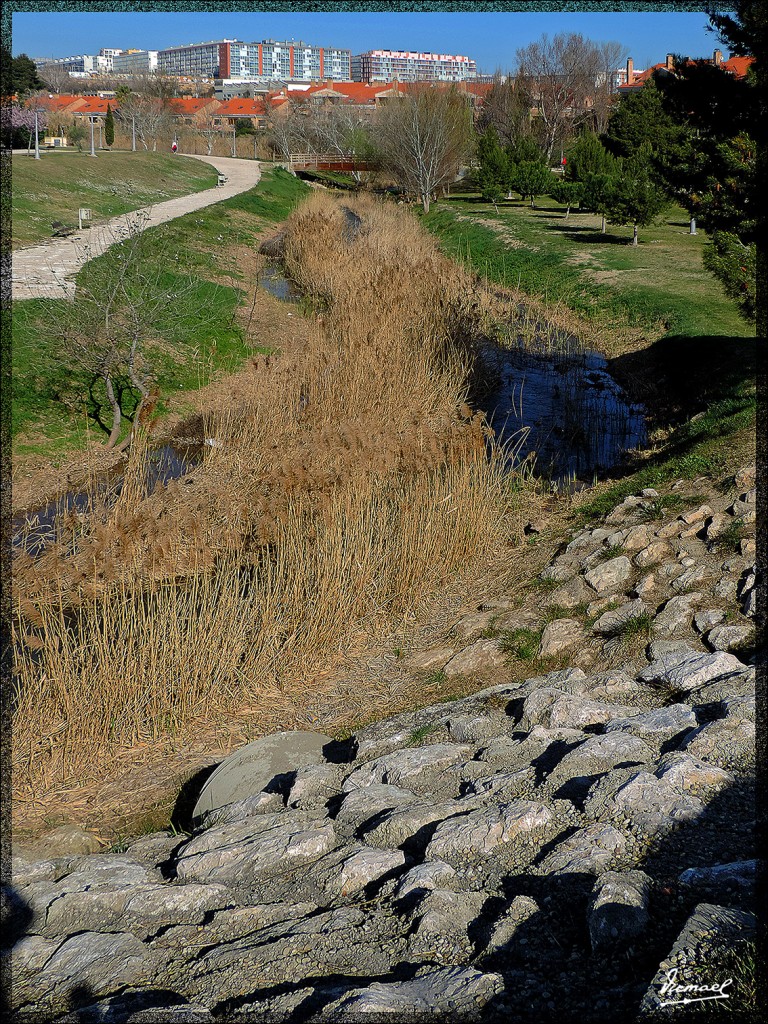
(93, 150)
(37, 141)
(234, 139)
(101, 140)
(133, 133)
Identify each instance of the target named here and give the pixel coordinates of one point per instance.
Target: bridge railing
(313, 159)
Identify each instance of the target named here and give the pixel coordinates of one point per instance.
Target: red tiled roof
(189, 104)
(241, 107)
(738, 66)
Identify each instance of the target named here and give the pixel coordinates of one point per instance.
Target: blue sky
(490, 37)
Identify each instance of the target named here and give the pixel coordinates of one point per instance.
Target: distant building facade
(135, 62)
(265, 61)
(412, 66)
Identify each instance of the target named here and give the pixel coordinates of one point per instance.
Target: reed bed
(348, 482)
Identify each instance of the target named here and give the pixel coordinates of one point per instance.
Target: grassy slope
(697, 379)
(54, 187)
(199, 337)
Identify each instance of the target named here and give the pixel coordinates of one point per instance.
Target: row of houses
(196, 112)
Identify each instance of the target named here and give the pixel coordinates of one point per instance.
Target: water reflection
(564, 407)
(34, 530)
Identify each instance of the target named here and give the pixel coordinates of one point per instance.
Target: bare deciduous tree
(561, 77)
(146, 104)
(56, 78)
(507, 109)
(423, 138)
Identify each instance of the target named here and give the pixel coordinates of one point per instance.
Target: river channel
(562, 409)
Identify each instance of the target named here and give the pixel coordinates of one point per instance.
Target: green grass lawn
(195, 337)
(56, 186)
(600, 277)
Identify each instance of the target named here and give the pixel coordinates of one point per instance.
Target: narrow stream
(563, 407)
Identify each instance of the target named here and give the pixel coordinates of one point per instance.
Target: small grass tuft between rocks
(522, 644)
(634, 630)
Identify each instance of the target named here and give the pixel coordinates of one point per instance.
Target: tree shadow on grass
(679, 376)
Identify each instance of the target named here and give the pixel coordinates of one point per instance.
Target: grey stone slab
(251, 768)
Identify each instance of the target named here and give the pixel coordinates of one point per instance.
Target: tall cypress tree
(109, 127)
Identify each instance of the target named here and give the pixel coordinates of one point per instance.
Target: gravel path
(46, 271)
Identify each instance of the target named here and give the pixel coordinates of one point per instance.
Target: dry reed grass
(349, 481)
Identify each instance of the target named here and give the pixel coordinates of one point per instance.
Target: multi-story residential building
(411, 66)
(78, 65)
(109, 53)
(135, 62)
(267, 60)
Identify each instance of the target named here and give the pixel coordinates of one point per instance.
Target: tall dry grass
(350, 480)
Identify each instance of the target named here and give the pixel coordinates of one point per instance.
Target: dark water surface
(565, 408)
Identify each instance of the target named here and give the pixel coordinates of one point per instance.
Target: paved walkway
(46, 271)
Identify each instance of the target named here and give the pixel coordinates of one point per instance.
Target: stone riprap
(533, 848)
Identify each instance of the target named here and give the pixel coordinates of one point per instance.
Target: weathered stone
(600, 754)
(652, 804)
(427, 661)
(653, 554)
(557, 710)
(744, 478)
(610, 575)
(725, 588)
(610, 601)
(672, 529)
(435, 874)
(398, 826)
(477, 658)
(560, 635)
(741, 874)
(258, 846)
(251, 768)
(690, 671)
(611, 621)
(749, 606)
(657, 725)
(709, 928)
(690, 775)
(737, 684)
(612, 685)
(366, 866)
(570, 595)
(448, 915)
(259, 803)
(589, 851)
(676, 614)
(658, 649)
(692, 576)
(474, 728)
(102, 963)
(646, 586)
(403, 767)
(636, 538)
(64, 841)
(483, 830)
(727, 638)
(471, 626)
(447, 993)
(560, 571)
(618, 910)
(503, 785)
(697, 515)
(715, 526)
(315, 785)
(704, 621)
(369, 801)
(724, 742)
(142, 909)
(747, 547)
(504, 929)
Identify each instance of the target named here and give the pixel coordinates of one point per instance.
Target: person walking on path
(48, 270)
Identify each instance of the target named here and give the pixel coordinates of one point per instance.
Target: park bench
(222, 179)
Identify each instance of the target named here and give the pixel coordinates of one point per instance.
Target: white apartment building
(412, 66)
(136, 62)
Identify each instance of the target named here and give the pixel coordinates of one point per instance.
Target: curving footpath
(47, 271)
